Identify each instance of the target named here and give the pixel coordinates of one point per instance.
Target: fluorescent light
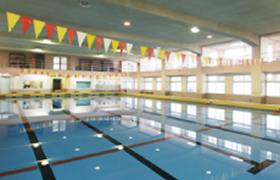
(237, 44)
(209, 36)
(195, 30)
(236, 158)
(126, 23)
(45, 162)
(120, 147)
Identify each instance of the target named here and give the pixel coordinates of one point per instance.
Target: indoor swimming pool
(120, 138)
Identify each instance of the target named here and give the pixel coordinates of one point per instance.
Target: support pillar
(201, 81)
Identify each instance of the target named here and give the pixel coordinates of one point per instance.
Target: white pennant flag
(107, 43)
(156, 52)
(81, 37)
(172, 56)
(128, 48)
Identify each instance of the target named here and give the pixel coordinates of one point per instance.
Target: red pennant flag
(230, 62)
(75, 76)
(116, 75)
(183, 57)
(42, 73)
(248, 62)
(59, 75)
(197, 60)
(71, 35)
(221, 61)
(167, 55)
(25, 23)
(150, 52)
(21, 69)
(48, 73)
(50, 29)
(98, 41)
(83, 76)
(262, 60)
(28, 71)
(253, 61)
(243, 62)
(122, 46)
(210, 60)
(35, 72)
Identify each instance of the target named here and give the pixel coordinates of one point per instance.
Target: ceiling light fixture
(44, 162)
(195, 30)
(47, 41)
(120, 147)
(208, 172)
(97, 168)
(37, 49)
(157, 149)
(35, 145)
(77, 149)
(84, 4)
(99, 135)
(64, 137)
(100, 55)
(209, 36)
(130, 138)
(126, 23)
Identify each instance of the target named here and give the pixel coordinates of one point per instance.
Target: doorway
(56, 84)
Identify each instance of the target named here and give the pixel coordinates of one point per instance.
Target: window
(135, 83)
(273, 122)
(148, 83)
(273, 84)
(216, 84)
(176, 83)
(158, 84)
(215, 113)
(242, 117)
(60, 62)
(175, 109)
(128, 83)
(158, 105)
(242, 84)
(83, 84)
(191, 84)
(148, 105)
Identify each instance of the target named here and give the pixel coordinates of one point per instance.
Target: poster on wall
(83, 102)
(32, 104)
(32, 84)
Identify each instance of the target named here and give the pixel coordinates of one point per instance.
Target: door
(56, 84)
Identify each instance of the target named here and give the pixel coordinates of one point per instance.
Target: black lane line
(140, 158)
(46, 171)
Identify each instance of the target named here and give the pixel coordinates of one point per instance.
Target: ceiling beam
(140, 5)
(131, 38)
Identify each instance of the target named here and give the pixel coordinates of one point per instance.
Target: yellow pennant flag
(45, 73)
(85, 77)
(38, 26)
(193, 56)
(90, 40)
(12, 20)
(218, 61)
(206, 60)
(227, 62)
(255, 61)
(143, 51)
(38, 72)
(25, 70)
(32, 71)
(115, 45)
(78, 76)
(178, 55)
(60, 33)
(161, 54)
(245, 62)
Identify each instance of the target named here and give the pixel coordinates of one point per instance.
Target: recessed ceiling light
(130, 138)
(99, 135)
(64, 137)
(210, 36)
(157, 149)
(195, 30)
(126, 23)
(208, 172)
(97, 168)
(45, 162)
(77, 149)
(84, 4)
(35, 145)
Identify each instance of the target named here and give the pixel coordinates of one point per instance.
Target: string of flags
(52, 74)
(26, 22)
(232, 62)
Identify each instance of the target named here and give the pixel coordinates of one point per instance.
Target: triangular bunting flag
(12, 20)
(107, 43)
(71, 35)
(98, 41)
(50, 29)
(183, 58)
(61, 33)
(167, 55)
(178, 55)
(81, 37)
(25, 23)
(150, 52)
(122, 46)
(38, 27)
(115, 45)
(206, 59)
(128, 48)
(161, 54)
(192, 56)
(90, 40)
(156, 52)
(210, 60)
(143, 51)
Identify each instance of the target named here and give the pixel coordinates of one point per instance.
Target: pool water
(135, 138)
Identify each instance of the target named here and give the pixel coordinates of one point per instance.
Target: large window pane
(242, 117)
